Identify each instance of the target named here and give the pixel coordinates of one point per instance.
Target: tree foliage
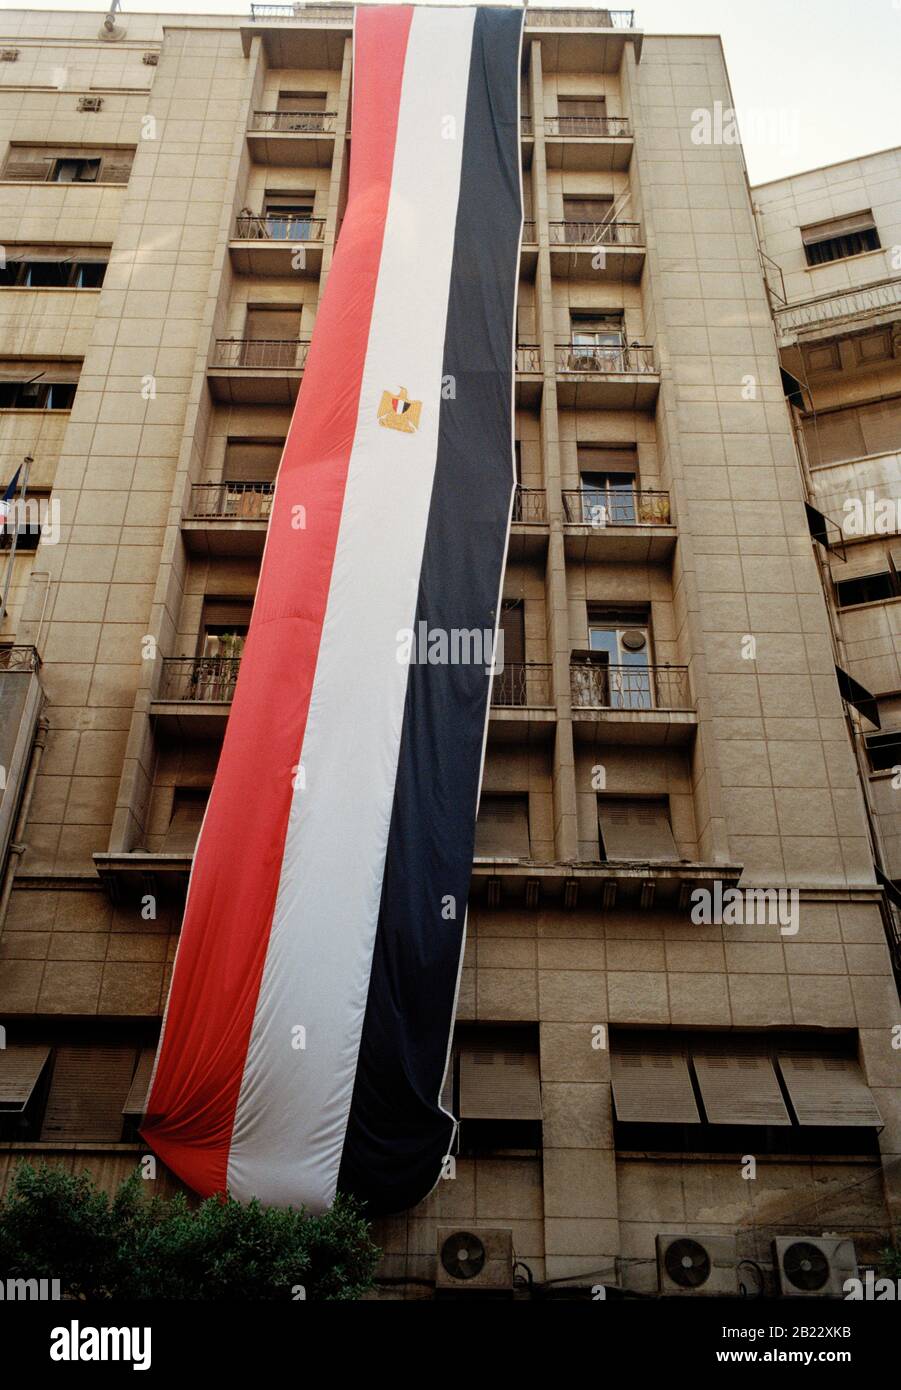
(56, 1225)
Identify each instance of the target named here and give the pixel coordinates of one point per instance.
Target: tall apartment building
(641, 1053)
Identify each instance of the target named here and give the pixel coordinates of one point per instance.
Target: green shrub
(54, 1225)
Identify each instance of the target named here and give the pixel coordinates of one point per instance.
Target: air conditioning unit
(90, 103)
(9, 55)
(478, 1260)
(814, 1266)
(150, 59)
(699, 1265)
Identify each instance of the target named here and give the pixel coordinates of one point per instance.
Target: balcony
(529, 374)
(607, 250)
(579, 143)
(632, 525)
(529, 523)
(227, 518)
(194, 694)
(630, 704)
(293, 137)
(522, 703)
(257, 371)
(583, 40)
(606, 377)
(595, 885)
(528, 254)
(277, 245)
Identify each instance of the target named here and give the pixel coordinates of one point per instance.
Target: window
(867, 588)
(270, 337)
(250, 467)
(884, 750)
(597, 342)
(594, 209)
(854, 432)
(502, 829)
(509, 687)
(635, 829)
(37, 395)
(617, 670)
(33, 270)
(289, 217)
(75, 171)
(188, 807)
(58, 1086)
(840, 237)
(301, 111)
(581, 115)
(62, 164)
(493, 1087)
(224, 626)
(737, 1092)
(22, 517)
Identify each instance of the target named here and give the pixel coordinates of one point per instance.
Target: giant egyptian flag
(308, 1025)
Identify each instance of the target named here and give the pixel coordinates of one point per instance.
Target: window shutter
(251, 461)
(587, 209)
(881, 425)
(300, 101)
(115, 171)
(140, 1085)
(837, 226)
(28, 170)
(833, 436)
(738, 1086)
(581, 106)
(87, 1092)
(638, 830)
(828, 1090)
(20, 1070)
(651, 1084)
(502, 829)
(280, 324)
(188, 807)
(227, 612)
(513, 626)
(499, 1081)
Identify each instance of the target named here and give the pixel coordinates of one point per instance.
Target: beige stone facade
(670, 719)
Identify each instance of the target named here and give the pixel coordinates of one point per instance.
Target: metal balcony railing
(596, 127)
(616, 507)
(528, 357)
(231, 501)
(294, 122)
(313, 14)
(595, 233)
(279, 227)
(19, 659)
(529, 234)
(577, 357)
(204, 679)
(260, 352)
(530, 506)
(522, 685)
(597, 685)
(581, 19)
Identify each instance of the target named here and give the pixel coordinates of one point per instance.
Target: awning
(20, 1070)
(739, 1086)
(857, 695)
(499, 1081)
(651, 1084)
(828, 1090)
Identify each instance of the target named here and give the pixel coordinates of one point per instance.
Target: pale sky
(814, 81)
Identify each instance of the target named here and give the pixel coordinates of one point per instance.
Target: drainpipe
(17, 848)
